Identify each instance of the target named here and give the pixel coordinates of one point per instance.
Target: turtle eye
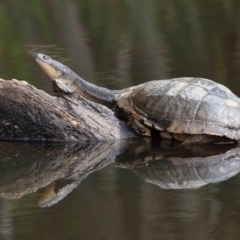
(46, 58)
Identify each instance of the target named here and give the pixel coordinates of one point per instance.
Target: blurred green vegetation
(119, 43)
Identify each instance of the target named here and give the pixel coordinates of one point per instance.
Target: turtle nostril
(45, 57)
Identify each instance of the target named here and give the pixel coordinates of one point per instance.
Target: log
(27, 113)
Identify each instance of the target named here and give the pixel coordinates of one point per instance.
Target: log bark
(27, 113)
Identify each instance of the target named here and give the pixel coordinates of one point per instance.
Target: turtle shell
(184, 105)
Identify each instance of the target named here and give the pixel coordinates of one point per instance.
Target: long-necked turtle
(186, 109)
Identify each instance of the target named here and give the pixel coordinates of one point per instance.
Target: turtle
(187, 109)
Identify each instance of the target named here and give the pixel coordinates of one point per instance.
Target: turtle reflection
(188, 168)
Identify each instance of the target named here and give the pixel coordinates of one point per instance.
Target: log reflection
(24, 168)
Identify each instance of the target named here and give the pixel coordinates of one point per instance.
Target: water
(116, 190)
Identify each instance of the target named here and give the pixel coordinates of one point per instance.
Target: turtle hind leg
(198, 138)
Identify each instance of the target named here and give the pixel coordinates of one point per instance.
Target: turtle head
(57, 71)
(52, 68)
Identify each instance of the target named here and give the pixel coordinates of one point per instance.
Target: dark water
(120, 190)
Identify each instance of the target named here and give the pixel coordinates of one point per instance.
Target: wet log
(27, 113)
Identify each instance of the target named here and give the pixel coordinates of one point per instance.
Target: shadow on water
(60, 168)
